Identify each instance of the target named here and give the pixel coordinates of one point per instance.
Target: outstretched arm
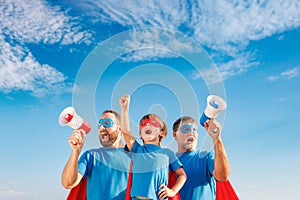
(125, 122)
(221, 165)
(70, 176)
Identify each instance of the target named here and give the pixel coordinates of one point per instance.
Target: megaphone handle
(82, 145)
(215, 130)
(204, 119)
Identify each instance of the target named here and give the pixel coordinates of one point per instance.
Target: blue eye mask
(106, 122)
(186, 128)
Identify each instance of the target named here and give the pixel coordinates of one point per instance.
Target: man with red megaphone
(101, 173)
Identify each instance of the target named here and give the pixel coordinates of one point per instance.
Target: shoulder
(204, 154)
(90, 153)
(136, 147)
(96, 150)
(170, 153)
(167, 150)
(196, 154)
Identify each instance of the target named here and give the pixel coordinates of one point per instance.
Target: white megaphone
(215, 105)
(68, 117)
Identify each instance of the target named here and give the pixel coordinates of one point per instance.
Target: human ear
(174, 134)
(119, 128)
(162, 135)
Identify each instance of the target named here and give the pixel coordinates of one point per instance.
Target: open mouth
(190, 139)
(148, 130)
(104, 135)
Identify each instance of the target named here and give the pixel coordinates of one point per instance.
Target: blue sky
(169, 55)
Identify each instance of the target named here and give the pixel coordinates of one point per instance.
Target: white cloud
(224, 26)
(237, 65)
(273, 78)
(8, 192)
(288, 74)
(224, 23)
(167, 13)
(155, 43)
(291, 73)
(33, 22)
(36, 22)
(20, 71)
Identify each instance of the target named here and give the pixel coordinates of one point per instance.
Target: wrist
(217, 140)
(76, 152)
(124, 109)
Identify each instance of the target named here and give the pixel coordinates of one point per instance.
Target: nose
(192, 133)
(101, 127)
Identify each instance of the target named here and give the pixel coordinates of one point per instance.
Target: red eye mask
(151, 122)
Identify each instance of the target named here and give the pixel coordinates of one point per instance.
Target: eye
(106, 122)
(186, 128)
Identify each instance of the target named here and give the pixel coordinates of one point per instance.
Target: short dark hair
(115, 113)
(186, 119)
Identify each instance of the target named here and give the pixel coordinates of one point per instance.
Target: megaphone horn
(69, 117)
(215, 105)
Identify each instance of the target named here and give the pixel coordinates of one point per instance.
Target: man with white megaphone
(203, 168)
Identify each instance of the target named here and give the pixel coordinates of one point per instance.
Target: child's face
(150, 129)
(187, 136)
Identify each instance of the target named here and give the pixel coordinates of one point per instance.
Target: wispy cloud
(21, 71)
(225, 27)
(37, 22)
(10, 192)
(292, 73)
(25, 23)
(156, 43)
(288, 74)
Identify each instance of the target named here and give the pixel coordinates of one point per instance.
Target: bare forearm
(181, 178)
(70, 172)
(179, 183)
(125, 124)
(221, 166)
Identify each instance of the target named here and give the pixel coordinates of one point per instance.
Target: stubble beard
(112, 137)
(189, 146)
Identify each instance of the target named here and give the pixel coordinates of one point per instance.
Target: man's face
(108, 130)
(186, 136)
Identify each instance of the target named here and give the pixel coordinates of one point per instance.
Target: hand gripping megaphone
(215, 105)
(68, 117)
